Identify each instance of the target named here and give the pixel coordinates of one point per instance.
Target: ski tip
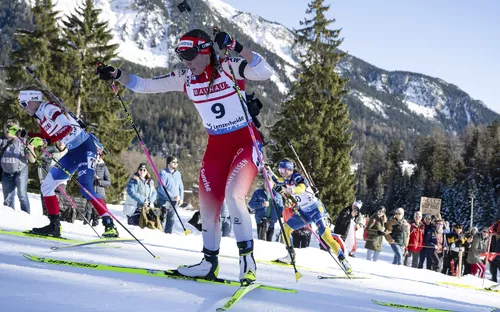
(27, 256)
(297, 276)
(187, 232)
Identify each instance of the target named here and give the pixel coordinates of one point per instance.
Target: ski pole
(95, 199)
(73, 205)
(259, 154)
(81, 123)
(115, 90)
(319, 239)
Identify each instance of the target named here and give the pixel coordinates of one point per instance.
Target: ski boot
(53, 229)
(109, 227)
(345, 265)
(248, 268)
(208, 267)
(287, 259)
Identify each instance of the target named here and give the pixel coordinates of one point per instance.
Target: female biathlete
(229, 164)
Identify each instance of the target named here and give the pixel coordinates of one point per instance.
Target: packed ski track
(31, 286)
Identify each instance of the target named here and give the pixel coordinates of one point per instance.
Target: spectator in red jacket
(416, 240)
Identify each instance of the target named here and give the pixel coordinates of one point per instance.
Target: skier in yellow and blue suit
(310, 209)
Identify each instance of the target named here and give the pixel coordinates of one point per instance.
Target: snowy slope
(30, 286)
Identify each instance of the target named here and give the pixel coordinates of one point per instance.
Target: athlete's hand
(224, 40)
(107, 73)
(37, 142)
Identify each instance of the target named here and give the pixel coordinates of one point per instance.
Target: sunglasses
(23, 104)
(190, 54)
(143, 169)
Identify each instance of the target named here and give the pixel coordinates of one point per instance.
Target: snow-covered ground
(30, 286)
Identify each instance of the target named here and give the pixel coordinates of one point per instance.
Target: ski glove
(225, 41)
(107, 73)
(37, 142)
(15, 131)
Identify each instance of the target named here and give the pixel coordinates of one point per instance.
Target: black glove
(380, 233)
(107, 73)
(225, 41)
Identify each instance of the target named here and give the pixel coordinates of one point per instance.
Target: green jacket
(374, 240)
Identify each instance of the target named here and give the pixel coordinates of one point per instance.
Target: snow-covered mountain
(148, 30)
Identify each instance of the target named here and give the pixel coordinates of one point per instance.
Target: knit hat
(142, 166)
(358, 204)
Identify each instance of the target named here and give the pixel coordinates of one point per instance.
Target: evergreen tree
(38, 47)
(372, 169)
(87, 44)
(315, 117)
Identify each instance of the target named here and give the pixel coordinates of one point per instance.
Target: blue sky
(455, 40)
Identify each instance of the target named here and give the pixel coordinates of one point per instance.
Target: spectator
(102, 180)
(454, 241)
(141, 194)
(344, 222)
(427, 249)
(469, 236)
(172, 179)
(398, 235)
(265, 215)
(14, 164)
(56, 151)
(495, 248)
(225, 220)
(479, 245)
(376, 232)
(437, 257)
(416, 240)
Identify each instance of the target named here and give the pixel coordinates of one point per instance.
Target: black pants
(265, 230)
(301, 239)
(494, 267)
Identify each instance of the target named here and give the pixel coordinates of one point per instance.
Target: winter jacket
(14, 159)
(416, 240)
(375, 229)
(173, 184)
(399, 232)
(102, 178)
(479, 245)
(257, 204)
(455, 241)
(138, 191)
(343, 222)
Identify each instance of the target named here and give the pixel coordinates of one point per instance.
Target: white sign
(430, 206)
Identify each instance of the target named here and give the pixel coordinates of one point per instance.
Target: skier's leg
(212, 180)
(55, 177)
(242, 172)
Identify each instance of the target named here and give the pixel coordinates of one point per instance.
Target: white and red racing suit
(229, 164)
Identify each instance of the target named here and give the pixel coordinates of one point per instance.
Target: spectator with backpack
(14, 163)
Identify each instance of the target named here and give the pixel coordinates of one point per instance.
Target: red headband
(190, 42)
